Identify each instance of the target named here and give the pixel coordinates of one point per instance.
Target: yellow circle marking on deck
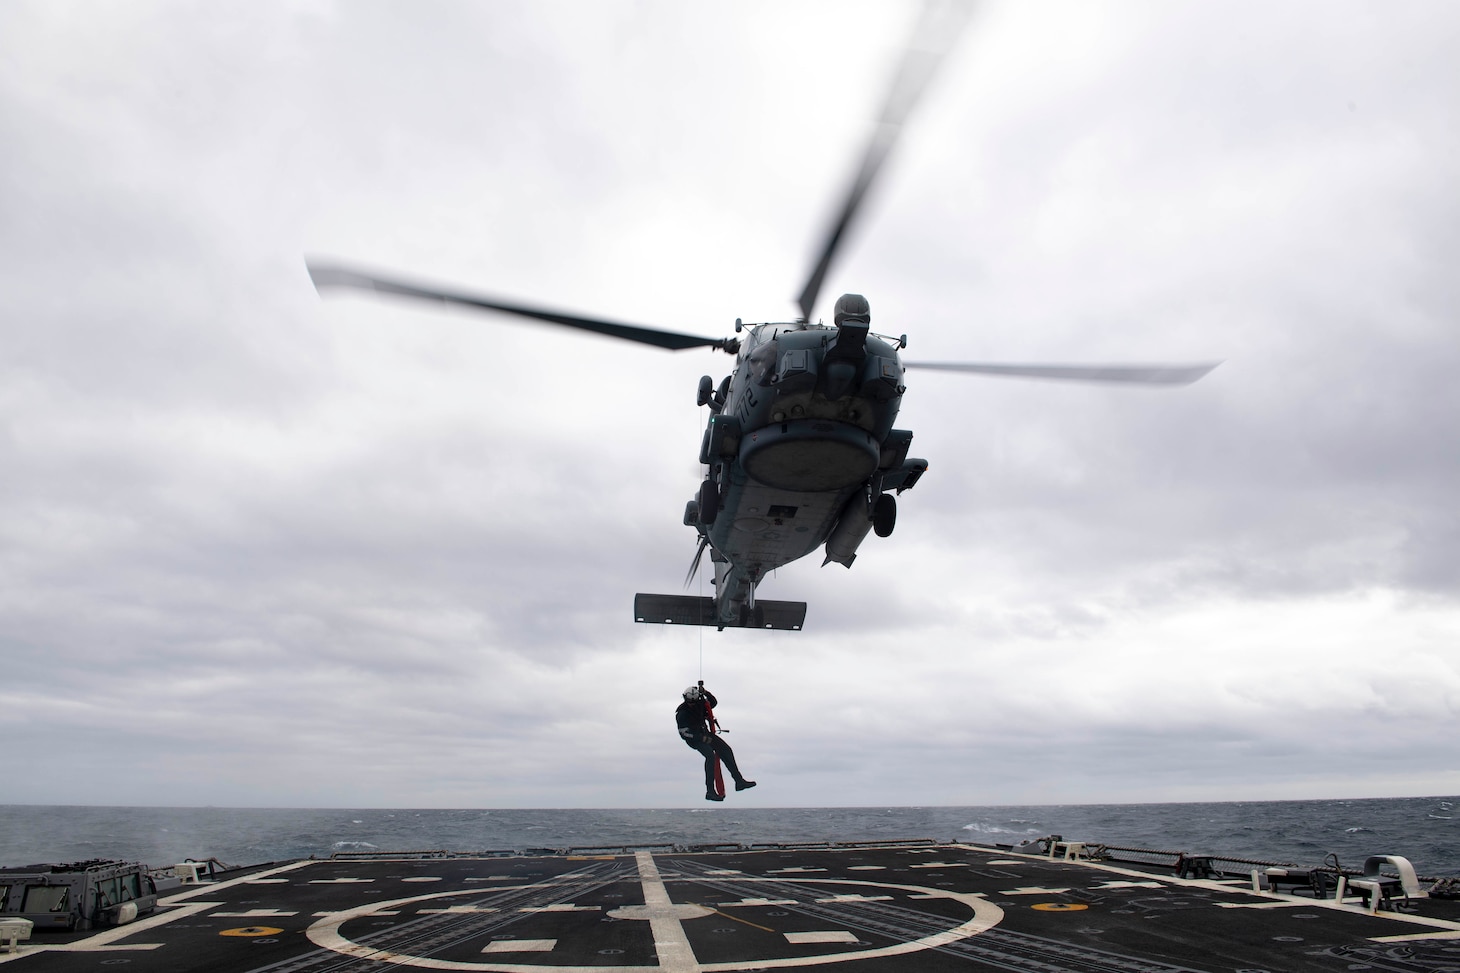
(1060, 906)
(252, 931)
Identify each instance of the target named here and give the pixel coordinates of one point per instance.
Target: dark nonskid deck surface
(932, 907)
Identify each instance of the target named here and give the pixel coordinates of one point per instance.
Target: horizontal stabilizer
(786, 616)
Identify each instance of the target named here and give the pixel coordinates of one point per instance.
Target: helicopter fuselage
(800, 452)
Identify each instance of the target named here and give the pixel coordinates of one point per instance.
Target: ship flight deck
(922, 906)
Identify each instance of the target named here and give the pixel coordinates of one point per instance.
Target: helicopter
(799, 451)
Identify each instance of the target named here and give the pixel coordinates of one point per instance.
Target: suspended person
(695, 717)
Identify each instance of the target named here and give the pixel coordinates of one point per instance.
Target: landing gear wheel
(884, 515)
(709, 501)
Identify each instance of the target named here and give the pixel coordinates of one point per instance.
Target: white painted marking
(829, 936)
(520, 946)
(796, 870)
(341, 881)
(267, 881)
(1006, 861)
(868, 868)
(367, 915)
(423, 878)
(857, 898)
(1416, 937)
(491, 878)
(254, 914)
(457, 909)
(103, 941)
(195, 890)
(680, 911)
(671, 944)
(731, 905)
(326, 933)
(1033, 891)
(724, 871)
(563, 907)
(1126, 885)
(76, 948)
(941, 865)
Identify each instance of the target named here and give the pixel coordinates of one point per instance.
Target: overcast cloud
(257, 548)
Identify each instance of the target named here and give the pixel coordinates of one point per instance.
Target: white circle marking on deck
(671, 943)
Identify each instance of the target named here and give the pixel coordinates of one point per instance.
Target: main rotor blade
(937, 29)
(328, 275)
(694, 566)
(1135, 374)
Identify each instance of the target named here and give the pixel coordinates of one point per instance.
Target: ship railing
(629, 849)
(617, 849)
(377, 855)
(1381, 876)
(831, 845)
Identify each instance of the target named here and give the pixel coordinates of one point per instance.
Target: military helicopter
(800, 450)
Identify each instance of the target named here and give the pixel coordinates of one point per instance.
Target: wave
(1422, 829)
(980, 828)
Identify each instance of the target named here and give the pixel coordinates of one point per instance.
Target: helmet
(692, 693)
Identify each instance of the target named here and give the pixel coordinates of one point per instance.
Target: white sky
(261, 549)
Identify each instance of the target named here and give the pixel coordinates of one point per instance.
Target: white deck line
(671, 943)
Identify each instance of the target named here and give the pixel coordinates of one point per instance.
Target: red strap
(719, 777)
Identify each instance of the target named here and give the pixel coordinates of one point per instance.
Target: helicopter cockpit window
(763, 363)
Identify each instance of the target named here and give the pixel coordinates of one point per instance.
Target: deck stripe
(671, 943)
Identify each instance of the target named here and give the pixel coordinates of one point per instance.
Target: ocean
(1422, 829)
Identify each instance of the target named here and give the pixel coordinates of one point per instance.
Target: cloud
(259, 548)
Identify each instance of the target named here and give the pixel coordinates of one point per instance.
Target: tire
(884, 515)
(709, 501)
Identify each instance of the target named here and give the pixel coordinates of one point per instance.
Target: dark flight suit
(694, 729)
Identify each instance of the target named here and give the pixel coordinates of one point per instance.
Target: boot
(744, 785)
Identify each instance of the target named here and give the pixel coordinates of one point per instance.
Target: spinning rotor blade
(938, 28)
(328, 275)
(1134, 374)
(694, 566)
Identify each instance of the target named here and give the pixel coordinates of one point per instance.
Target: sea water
(1424, 830)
